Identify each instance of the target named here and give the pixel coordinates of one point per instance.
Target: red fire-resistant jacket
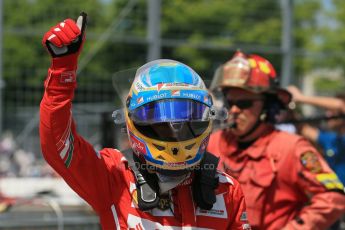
(285, 181)
(104, 180)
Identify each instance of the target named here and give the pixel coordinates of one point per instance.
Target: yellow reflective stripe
(330, 180)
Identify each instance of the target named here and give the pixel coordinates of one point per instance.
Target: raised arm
(323, 102)
(68, 153)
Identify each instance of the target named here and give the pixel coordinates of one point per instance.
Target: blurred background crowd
(304, 40)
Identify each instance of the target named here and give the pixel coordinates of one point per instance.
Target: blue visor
(171, 110)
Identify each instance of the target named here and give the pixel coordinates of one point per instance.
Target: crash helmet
(168, 116)
(249, 72)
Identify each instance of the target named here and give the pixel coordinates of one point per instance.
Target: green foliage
(201, 33)
(25, 22)
(330, 86)
(223, 23)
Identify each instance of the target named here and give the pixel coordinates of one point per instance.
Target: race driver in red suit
(286, 182)
(165, 181)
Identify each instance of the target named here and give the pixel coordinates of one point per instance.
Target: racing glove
(64, 43)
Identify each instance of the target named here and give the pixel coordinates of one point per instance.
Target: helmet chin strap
(258, 122)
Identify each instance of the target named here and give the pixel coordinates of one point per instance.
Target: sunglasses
(241, 104)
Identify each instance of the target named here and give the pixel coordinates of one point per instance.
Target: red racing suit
(105, 181)
(286, 183)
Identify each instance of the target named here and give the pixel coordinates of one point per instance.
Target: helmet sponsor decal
(207, 99)
(159, 86)
(156, 97)
(175, 93)
(138, 146)
(175, 164)
(138, 86)
(150, 96)
(192, 95)
(140, 100)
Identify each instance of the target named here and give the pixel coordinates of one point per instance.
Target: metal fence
(43, 203)
(47, 215)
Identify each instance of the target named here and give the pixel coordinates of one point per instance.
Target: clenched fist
(66, 38)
